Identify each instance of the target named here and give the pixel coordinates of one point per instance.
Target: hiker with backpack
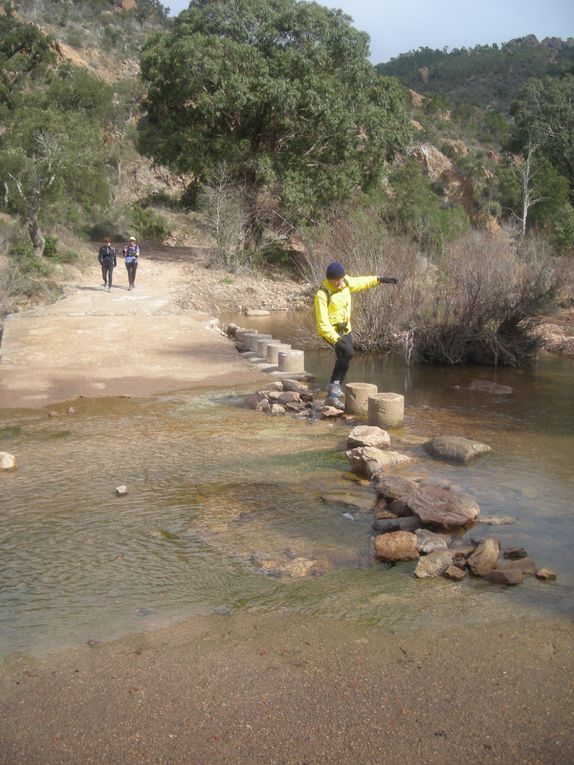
(333, 315)
(108, 261)
(131, 253)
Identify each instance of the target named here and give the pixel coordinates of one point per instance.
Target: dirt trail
(99, 343)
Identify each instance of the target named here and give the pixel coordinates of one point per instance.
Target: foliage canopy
(282, 91)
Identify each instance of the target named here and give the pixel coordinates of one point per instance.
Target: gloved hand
(387, 280)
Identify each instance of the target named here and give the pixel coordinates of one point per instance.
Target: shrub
(50, 246)
(149, 224)
(476, 302)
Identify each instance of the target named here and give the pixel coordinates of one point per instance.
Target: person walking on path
(131, 256)
(108, 261)
(333, 315)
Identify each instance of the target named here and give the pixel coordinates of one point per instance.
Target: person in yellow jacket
(333, 314)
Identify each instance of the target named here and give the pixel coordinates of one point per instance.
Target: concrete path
(99, 343)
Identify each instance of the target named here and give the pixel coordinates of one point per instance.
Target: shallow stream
(225, 509)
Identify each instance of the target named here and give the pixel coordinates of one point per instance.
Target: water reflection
(220, 496)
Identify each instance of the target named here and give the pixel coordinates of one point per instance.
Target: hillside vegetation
(487, 76)
(269, 138)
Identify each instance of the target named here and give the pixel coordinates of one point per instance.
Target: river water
(226, 507)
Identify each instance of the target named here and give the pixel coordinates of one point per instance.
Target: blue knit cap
(335, 270)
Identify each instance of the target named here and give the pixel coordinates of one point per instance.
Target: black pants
(132, 268)
(107, 271)
(344, 352)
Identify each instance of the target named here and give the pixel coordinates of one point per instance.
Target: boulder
(367, 460)
(484, 559)
(277, 409)
(429, 542)
(455, 448)
(434, 564)
(399, 545)
(121, 491)
(394, 487)
(263, 406)
(7, 461)
(366, 435)
(444, 505)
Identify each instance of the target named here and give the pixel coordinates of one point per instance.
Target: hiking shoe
(334, 390)
(338, 403)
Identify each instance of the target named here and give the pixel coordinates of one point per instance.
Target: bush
(149, 224)
(50, 246)
(481, 305)
(476, 302)
(104, 228)
(28, 263)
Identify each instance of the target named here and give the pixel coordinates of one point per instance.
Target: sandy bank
(257, 688)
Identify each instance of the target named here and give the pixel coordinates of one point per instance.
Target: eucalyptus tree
(279, 90)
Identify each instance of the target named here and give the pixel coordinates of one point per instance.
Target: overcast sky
(399, 26)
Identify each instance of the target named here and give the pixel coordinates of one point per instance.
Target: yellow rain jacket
(333, 307)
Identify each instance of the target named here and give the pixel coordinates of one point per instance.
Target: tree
(150, 9)
(544, 115)
(43, 154)
(282, 91)
(24, 52)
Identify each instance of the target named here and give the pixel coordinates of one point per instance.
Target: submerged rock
(7, 461)
(497, 520)
(455, 573)
(487, 386)
(505, 576)
(546, 574)
(455, 448)
(515, 553)
(524, 565)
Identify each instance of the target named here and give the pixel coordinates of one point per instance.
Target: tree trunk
(253, 223)
(36, 236)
